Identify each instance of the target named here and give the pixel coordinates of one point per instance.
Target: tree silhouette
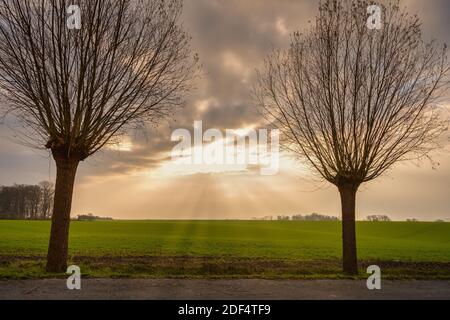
(353, 101)
(76, 89)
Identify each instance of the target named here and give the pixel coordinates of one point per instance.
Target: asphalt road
(221, 289)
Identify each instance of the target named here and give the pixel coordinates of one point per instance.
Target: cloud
(232, 38)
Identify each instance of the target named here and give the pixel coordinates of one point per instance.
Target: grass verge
(213, 267)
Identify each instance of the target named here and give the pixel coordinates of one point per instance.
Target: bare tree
(76, 89)
(33, 196)
(26, 201)
(47, 191)
(353, 101)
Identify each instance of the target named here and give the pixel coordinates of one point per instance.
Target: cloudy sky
(137, 178)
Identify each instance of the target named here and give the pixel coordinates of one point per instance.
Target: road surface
(238, 289)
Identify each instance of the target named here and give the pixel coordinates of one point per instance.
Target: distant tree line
(309, 217)
(314, 217)
(319, 217)
(378, 217)
(91, 217)
(417, 220)
(27, 201)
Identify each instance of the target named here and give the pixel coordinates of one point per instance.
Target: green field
(227, 248)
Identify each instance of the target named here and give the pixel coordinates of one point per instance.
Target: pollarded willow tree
(75, 85)
(353, 101)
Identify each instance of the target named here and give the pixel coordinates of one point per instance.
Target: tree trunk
(348, 198)
(66, 168)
